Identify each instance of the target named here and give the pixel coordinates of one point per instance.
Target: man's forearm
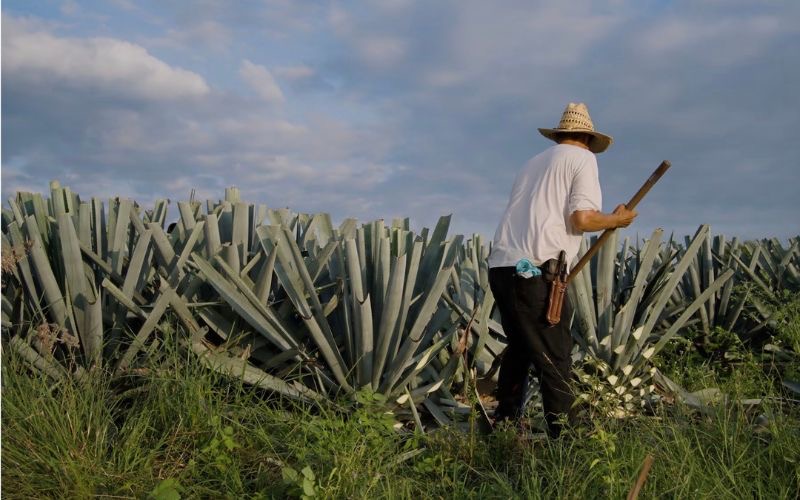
(591, 220)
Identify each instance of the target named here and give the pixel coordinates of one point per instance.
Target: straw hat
(576, 119)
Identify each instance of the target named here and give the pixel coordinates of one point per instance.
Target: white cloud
(453, 91)
(483, 40)
(373, 44)
(207, 33)
(38, 57)
(381, 51)
(261, 81)
(300, 72)
(712, 39)
(100, 63)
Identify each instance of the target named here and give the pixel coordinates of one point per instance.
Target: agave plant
(621, 325)
(285, 301)
(86, 285)
(364, 299)
(770, 272)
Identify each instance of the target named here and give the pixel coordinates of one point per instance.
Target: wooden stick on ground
(637, 487)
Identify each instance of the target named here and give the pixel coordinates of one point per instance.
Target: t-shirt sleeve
(585, 191)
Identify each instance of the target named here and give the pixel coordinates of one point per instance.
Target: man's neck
(573, 142)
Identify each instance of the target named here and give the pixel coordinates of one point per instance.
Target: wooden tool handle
(654, 177)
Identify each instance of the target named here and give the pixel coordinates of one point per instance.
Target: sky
(403, 108)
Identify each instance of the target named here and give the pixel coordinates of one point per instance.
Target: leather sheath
(558, 289)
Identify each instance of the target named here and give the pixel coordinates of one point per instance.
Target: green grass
(193, 433)
(179, 429)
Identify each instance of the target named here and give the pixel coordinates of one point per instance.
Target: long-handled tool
(558, 287)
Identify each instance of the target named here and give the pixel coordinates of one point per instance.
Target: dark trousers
(532, 341)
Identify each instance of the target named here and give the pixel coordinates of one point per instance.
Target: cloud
(299, 72)
(381, 51)
(207, 33)
(103, 137)
(261, 81)
(698, 38)
(39, 58)
(415, 108)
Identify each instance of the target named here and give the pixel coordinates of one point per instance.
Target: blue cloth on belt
(526, 269)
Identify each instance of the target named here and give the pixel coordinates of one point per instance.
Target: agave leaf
(694, 278)
(362, 316)
(415, 333)
(624, 320)
(176, 271)
(264, 279)
(680, 268)
(792, 386)
(150, 324)
(18, 215)
(57, 199)
(251, 264)
(436, 413)
(29, 354)
(411, 275)
(54, 305)
(414, 412)
(389, 315)
(160, 212)
(347, 229)
(708, 278)
(688, 312)
(186, 215)
(119, 235)
(164, 253)
(259, 318)
(748, 270)
(85, 224)
(233, 366)
(311, 313)
(383, 268)
(580, 297)
(735, 311)
(212, 237)
(605, 286)
(432, 256)
(122, 298)
(83, 293)
(138, 226)
(483, 324)
(138, 267)
(339, 274)
(723, 310)
(24, 264)
(318, 265)
(421, 361)
(239, 236)
(99, 228)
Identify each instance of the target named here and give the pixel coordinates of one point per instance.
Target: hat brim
(598, 143)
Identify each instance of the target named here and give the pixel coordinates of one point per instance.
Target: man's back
(535, 224)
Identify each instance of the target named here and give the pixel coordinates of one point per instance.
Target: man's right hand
(624, 216)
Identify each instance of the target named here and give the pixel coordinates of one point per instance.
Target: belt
(549, 269)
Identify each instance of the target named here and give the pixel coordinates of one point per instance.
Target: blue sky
(405, 108)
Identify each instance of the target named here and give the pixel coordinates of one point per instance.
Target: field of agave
(314, 311)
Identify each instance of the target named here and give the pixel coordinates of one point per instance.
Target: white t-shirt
(536, 225)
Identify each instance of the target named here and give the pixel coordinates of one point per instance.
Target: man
(555, 198)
